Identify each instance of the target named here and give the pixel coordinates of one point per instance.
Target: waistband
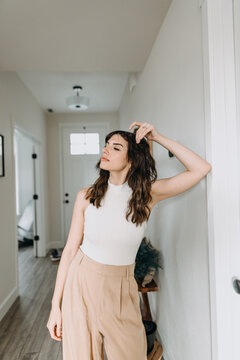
(106, 269)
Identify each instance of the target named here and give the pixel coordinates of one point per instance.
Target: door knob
(236, 285)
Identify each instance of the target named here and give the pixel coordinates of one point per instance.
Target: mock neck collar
(113, 186)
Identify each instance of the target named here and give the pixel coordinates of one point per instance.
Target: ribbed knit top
(108, 237)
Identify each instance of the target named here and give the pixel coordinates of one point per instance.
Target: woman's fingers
(142, 131)
(55, 332)
(138, 133)
(140, 136)
(133, 124)
(54, 336)
(58, 331)
(54, 324)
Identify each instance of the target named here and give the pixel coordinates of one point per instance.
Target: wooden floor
(23, 331)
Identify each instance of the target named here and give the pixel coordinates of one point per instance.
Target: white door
(81, 150)
(27, 184)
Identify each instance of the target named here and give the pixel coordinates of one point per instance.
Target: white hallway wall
(53, 121)
(16, 102)
(169, 94)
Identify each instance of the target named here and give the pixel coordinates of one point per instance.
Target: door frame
(221, 131)
(61, 126)
(41, 251)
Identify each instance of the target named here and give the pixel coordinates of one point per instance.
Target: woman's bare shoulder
(81, 196)
(83, 191)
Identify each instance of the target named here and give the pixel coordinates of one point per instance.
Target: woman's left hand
(144, 129)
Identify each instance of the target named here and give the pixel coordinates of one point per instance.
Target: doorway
(27, 186)
(80, 147)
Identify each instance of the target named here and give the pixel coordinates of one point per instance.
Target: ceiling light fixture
(77, 102)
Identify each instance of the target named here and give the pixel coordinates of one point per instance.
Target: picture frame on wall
(2, 167)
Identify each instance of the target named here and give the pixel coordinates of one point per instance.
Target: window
(84, 143)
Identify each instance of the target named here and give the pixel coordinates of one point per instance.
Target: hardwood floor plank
(23, 331)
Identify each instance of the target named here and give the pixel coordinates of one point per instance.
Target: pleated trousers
(101, 305)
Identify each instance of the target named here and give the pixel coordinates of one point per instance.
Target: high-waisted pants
(101, 305)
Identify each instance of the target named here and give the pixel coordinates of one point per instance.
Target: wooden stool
(152, 286)
(157, 351)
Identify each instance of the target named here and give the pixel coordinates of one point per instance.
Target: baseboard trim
(8, 302)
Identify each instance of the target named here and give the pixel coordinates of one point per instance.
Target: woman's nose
(105, 153)
(105, 150)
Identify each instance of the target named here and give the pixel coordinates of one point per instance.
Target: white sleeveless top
(108, 237)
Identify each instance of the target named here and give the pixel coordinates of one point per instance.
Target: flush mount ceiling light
(77, 102)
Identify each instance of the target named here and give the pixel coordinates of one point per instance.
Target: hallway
(172, 63)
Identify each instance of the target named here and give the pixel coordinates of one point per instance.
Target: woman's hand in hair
(144, 129)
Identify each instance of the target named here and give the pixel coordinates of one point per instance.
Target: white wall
(237, 55)
(18, 105)
(169, 94)
(53, 121)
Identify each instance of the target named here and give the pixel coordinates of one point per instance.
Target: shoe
(55, 257)
(54, 252)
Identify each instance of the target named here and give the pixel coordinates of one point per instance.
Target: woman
(95, 281)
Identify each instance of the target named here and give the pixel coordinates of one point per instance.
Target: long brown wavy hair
(140, 176)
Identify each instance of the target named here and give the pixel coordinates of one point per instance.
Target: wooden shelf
(152, 286)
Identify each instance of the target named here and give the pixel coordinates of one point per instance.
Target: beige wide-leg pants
(101, 300)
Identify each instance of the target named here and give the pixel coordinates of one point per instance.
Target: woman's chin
(103, 166)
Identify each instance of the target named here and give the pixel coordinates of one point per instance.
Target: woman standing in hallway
(96, 294)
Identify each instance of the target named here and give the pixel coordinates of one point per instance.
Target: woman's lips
(103, 158)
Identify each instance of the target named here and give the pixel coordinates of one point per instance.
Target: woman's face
(115, 153)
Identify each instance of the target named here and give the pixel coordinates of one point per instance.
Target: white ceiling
(56, 44)
(105, 90)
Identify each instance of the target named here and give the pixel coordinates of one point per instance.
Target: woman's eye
(113, 148)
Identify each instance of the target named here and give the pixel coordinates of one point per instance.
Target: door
(81, 150)
(27, 184)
